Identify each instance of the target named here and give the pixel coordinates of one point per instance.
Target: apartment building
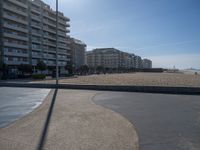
(106, 57)
(115, 59)
(14, 32)
(138, 61)
(110, 58)
(125, 60)
(133, 62)
(146, 63)
(78, 49)
(28, 34)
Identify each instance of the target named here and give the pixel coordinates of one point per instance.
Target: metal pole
(57, 76)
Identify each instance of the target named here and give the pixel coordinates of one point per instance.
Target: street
(163, 122)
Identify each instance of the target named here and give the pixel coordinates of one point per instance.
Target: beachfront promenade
(69, 119)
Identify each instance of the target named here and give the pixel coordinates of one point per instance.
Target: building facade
(112, 58)
(146, 63)
(106, 57)
(78, 49)
(28, 34)
(138, 62)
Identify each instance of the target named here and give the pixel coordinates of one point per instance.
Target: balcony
(49, 43)
(19, 3)
(51, 50)
(62, 29)
(15, 10)
(49, 30)
(61, 63)
(16, 54)
(62, 58)
(38, 26)
(36, 11)
(36, 56)
(14, 62)
(9, 44)
(36, 3)
(37, 48)
(37, 18)
(49, 17)
(50, 23)
(36, 34)
(68, 31)
(63, 34)
(65, 48)
(67, 25)
(36, 41)
(13, 18)
(50, 63)
(13, 36)
(15, 28)
(64, 40)
(51, 57)
(62, 46)
(62, 22)
(49, 37)
(62, 52)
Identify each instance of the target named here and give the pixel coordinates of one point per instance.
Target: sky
(165, 31)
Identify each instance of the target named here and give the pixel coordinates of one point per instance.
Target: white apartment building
(105, 57)
(111, 58)
(28, 34)
(146, 63)
(78, 49)
(138, 62)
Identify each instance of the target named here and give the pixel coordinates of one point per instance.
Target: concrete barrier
(145, 89)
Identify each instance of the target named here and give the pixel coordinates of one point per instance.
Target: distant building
(105, 57)
(146, 63)
(112, 58)
(78, 49)
(28, 34)
(133, 62)
(138, 62)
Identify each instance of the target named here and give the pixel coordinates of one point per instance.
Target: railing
(15, 10)
(21, 29)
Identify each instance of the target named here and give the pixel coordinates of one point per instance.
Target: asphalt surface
(163, 122)
(17, 102)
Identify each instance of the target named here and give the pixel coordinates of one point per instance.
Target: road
(17, 102)
(163, 122)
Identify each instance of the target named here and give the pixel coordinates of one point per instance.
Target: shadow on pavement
(46, 125)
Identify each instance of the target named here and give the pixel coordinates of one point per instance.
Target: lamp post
(57, 43)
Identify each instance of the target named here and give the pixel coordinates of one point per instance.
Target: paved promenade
(163, 121)
(68, 119)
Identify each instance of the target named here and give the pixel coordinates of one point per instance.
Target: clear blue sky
(167, 31)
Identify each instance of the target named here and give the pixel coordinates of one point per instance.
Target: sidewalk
(73, 123)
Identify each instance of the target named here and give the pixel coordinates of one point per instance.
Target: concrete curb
(145, 89)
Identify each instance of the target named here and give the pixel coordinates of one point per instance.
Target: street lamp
(56, 42)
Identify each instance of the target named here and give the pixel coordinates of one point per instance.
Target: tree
(91, 70)
(107, 70)
(24, 68)
(70, 68)
(84, 69)
(1, 67)
(41, 66)
(100, 69)
(3, 71)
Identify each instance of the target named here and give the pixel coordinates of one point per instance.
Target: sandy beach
(139, 79)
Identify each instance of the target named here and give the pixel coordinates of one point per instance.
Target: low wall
(146, 89)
